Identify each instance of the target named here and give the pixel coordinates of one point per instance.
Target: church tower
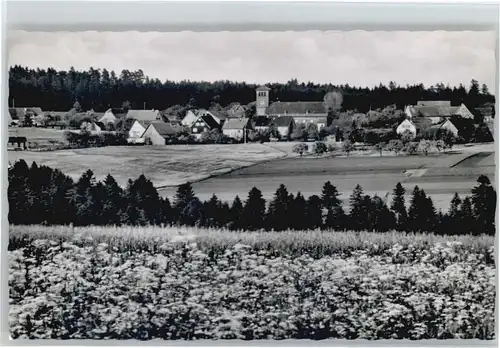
(262, 99)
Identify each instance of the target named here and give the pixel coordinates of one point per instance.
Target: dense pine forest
(99, 89)
(42, 195)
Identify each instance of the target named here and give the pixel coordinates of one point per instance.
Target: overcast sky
(361, 58)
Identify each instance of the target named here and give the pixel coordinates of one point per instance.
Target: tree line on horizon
(100, 89)
(42, 195)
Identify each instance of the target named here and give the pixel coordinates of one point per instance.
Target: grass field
(169, 283)
(163, 165)
(42, 135)
(440, 176)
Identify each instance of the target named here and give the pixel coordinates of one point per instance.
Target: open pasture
(437, 175)
(163, 165)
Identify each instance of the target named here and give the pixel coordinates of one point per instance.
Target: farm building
(406, 126)
(437, 110)
(93, 127)
(137, 130)
(204, 123)
(236, 110)
(433, 130)
(235, 128)
(144, 115)
(112, 115)
(261, 124)
(302, 112)
(21, 113)
(157, 133)
(193, 116)
(284, 125)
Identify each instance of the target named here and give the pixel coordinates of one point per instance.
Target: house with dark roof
(236, 128)
(145, 115)
(157, 133)
(437, 110)
(204, 123)
(194, 114)
(284, 125)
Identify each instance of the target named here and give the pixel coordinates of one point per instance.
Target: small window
(195, 130)
(205, 129)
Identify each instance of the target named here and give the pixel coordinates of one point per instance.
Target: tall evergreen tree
(113, 205)
(279, 209)
(297, 214)
(357, 214)
(398, 206)
(254, 210)
(335, 216)
(484, 200)
(236, 213)
(314, 215)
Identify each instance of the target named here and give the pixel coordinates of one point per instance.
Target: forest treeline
(42, 195)
(99, 89)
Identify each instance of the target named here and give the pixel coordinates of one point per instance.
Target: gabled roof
(303, 108)
(422, 122)
(263, 88)
(217, 114)
(145, 123)
(282, 121)
(165, 129)
(236, 123)
(209, 120)
(118, 112)
(435, 111)
(143, 115)
(434, 103)
(190, 118)
(61, 114)
(262, 121)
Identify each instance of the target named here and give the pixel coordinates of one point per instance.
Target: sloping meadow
(179, 283)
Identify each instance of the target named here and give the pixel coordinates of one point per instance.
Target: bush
(319, 148)
(300, 148)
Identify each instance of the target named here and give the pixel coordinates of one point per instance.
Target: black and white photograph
(251, 185)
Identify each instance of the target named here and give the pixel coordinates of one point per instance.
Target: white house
(448, 125)
(189, 119)
(136, 131)
(158, 132)
(92, 127)
(406, 125)
(235, 127)
(112, 115)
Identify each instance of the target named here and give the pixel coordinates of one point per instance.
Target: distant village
(261, 120)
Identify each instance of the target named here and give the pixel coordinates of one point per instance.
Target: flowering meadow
(188, 283)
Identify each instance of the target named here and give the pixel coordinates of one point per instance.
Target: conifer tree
(467, 219)
(113, 205)
(382, 218)
(484, 203)
(83, 199)
(211, 209)
(236, 212)
(297, 215)
(398, 206)
(332, 205)
(277, 215)
(357, 214)
(314, 215)
(183, 196)
(254, 210)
